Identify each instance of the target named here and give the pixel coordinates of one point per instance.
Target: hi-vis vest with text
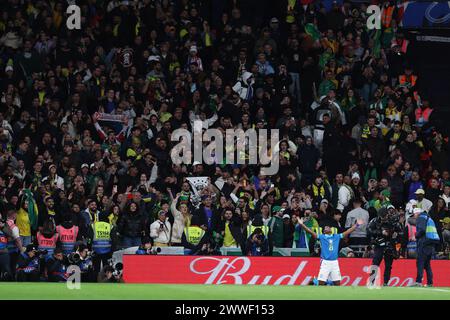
(251, 229)
(102, 237)
(68, 238)
(48, 244)
(194, 234)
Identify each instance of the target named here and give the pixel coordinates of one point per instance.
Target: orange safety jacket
(386, 16)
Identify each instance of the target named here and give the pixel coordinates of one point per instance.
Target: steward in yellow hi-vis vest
(194, 237)
(101, 243)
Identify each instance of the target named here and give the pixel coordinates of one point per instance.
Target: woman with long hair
(131, 226)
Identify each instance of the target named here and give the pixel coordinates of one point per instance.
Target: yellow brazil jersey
(23, 223)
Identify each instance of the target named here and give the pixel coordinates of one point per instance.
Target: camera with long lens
(74, 258)
(155, 250)
(40, 253)
(386, 240)
(118, 269)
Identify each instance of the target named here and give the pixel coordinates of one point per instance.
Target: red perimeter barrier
(264, 270)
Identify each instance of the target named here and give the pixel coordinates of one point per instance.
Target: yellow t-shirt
(228, 239)
(23, 223)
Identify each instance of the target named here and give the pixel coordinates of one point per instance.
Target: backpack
(431, 232)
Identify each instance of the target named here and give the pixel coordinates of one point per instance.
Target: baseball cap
(276, 209)
(153, 58)
(417, 210)
(386, 193)
(274, 20)
(193, 49)
(84, 165)
(286, 216)
(390, 206)
(196, 163)
(355, 176)
(419, 191)
(9, 68)
(445, 220)
(324, 201)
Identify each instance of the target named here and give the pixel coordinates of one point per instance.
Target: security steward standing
(427, 240)
(385, 232)
(194, 236)
(101, 243)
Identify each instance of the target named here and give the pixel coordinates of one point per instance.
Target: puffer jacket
(131, 225)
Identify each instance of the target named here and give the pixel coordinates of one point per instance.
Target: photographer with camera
(110, 274)
(28, 264)
(83, 258)
(209, 248)
(160, 230)
(385, 232)
(56, 266)
(257, 244)
(147, 247)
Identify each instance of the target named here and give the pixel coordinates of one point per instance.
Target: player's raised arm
(353, 228)
(302, 224)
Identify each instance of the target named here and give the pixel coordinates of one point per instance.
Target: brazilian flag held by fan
(312, 30)
(29, 207)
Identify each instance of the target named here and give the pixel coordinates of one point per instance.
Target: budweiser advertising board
(263, 270)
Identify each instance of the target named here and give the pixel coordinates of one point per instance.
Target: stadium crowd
(86, 118)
